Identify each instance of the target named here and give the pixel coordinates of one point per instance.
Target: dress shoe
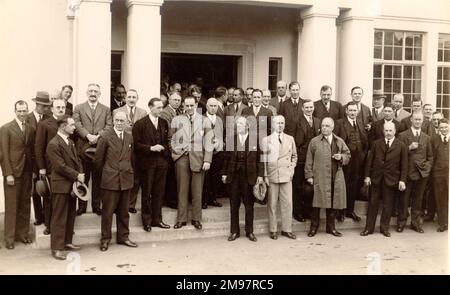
(215, 204)
(400, 228)
(132, 210)
(72, 247)
(204, 206)
(273, 235)
(334, 233)
(366, 232)
(353, 216)
(10, 246)
(104, 246)
(417, 229)
(81, 211)
(299, 218)
(289, 235)
(97, 211)
(57, 254)
(128, 243)
(26, 240)
(179, 225)
(161, 225)
(196, 224)
(233, 236)
(46, 231)
(252, 237)
(38, 222)
(428, 218)
(312, 232)
(386, 233)
(442, 228)
(147, 228)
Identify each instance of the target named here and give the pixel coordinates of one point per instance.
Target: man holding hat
(378, 105)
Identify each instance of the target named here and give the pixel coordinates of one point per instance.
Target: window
(443, 75)
(116, 68)
(274, 74)
(398, 64)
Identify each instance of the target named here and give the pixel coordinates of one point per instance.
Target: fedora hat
(42, 97)
(260, 190)
(79, 190)
(377, 94)
(42, 187)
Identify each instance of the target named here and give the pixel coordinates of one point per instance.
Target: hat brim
(42, 103)
(75, 192)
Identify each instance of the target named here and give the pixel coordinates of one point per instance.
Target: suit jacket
(254, 166)
(230, 111)
(46, 130)
(390, 166)
(275, 102)
(66, 165)
(31, 120)
(440, 153)
(187, 138)
(364, 116)
(114, 157)
(300, 137)
(279, 159)
(261, 120)
(69, 108)
(138, 114)
(144, 136)
(214, 140)
(377, 116)
(402, 115)
(377, 130)
(406, 124)
(336, 110)
(420, 159)
(168, 114)
(431, 131)
(113, 104)
(343, 130)
(291, 115)
(272, 109)
(17, 149)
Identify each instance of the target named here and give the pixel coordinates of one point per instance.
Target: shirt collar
(390, 140)
(118, 102)
(307, 117)
(117, 131)
(152, 118)
(211, 117)
(129, 108)
(36, 115)
(64, 137)
(351, 120)
(414, 131)
(93, 104)
(328, 138)
(18, 122)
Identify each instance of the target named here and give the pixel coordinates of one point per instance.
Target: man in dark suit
(66, 93)
(152, 151)
(378, 99)
(43, 103)
(416, 106)
(420, 161)
(258, 117)
(281, 95)
(325, 107)
(114, 157)
(364, 115)
(242, 169)
(377, 130)
(355, 137)
(92, 119)
(118, 98)
(308, 128)
(291, 109)
(386, 171)
(66, 169)
(46, 130)
(17, 139)
(439, 173)
(221, 95)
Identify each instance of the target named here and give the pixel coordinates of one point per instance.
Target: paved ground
(406, 253)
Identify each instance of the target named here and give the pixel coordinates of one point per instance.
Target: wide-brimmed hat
(42, 187)
(42, 97)
(377, 94)
(80, 190)
(260, 190)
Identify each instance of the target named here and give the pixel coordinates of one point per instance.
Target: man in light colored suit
(280, 161)
(191, 161)
(92, 119)
(281, 95)
(134, 113)
(397, 103)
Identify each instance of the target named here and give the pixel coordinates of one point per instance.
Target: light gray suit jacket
(138, 114)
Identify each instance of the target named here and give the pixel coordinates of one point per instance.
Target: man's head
(416, 105)
(266, 96)
(164, 99)
(211, 106)
(278, 123)
(119, 92)
(21, 110)
(242, 125)
(175, 100)
(248, 93)
(131, 98)
(327, 126)
(190, 105)
(378, 100)
(119, 120)
(196, 93)
(156, 107)
(325, 93)
(308, 107)
(66, 124)
(352, 110)
(238, 95)
(221, 94)
(294, 89)
(230, 94)
(388, 112)
(175, 87)
(443, 126)
(389, 130)
(357, 94)
(256, 97)
(397, 101)
(427, 111)
(417, 119)
(436, 118)
(66, 92)
(93, 92)
(281, 88)
(58, 107)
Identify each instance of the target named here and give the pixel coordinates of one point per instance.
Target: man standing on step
(114, 157)
(66, 169)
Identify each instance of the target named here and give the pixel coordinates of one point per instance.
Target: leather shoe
(57, 254)
(273, 235)
(38, 222)
(353, 216)
(312, 232)
(299, 218)
(386, 233)
(365, 232)
(289, 235)
(179, 225)
(128, 243)
(196, 224)
(10, 246)
(252, 237)
(215, 204)
(132, 210)
(161, 225)
(442, 228)
(97, 211)
(233, 236)
(72, 247)
(204, 206)
(334, 233)
(400, 228)
(46, 231)
(26, 241)
(104, 246)
(81, 211)
(417, 229)
(147, 228)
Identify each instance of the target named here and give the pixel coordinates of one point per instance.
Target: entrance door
(214, 70)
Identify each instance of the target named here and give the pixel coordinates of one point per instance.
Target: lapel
(67, 149)
(97, 114)
(153, 128)
(305, 124)
(87, 110)
(18, 131)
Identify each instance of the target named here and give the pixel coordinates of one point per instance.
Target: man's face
(443, 128)
(197, 96)
(58, 108)
(326, 95)
(176, 87)
(249, 94)
(69, 128)
(175, 101)
(295, 91)
(389, 131)
(417, 120)
(42, 109)
(230, 95)
(241, 125)
(428, 111)
(327, 127)
(281, 89)
(21, 112)
(131, 99)
(237, 96)
(416, 106)
(93, 93)
(211, 107)
(119, 121)
(352, 111)
(397, 102)
(308, 108)
(388, 113)
(266, 98)
(435, 120)
(190, 106)
(378, 102)
(256, 98)
(120, 93)
(278, 123)
(357, 94)
(66, 93)
(163, 99)
(156, 109)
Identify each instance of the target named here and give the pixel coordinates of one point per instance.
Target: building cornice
(412, 19)
(130, 3)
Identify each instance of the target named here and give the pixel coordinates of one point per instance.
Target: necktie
(131, 114)
(444, 139)
(327, 106)
(295, 103)
(386, 149)
(387, 144)
(236, 107)
(310, 121)
(156, 123)
(279, 138)
(92, 111)
(40, 117)
(354, 124)
(120, 136)
(417, 135)
(396, 113)
(22, 127)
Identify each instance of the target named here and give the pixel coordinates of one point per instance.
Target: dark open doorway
(214, 70)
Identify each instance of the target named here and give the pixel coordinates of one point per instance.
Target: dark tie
(92, 112)
(417, 135)
(396, 113)
(386, 149)
(236, 108)
(444, 139)
(131, 115)
(72, 147)
(279, 138)
(22, 127)
(295, 103)
(310, 121)
(354, 124)
(120, 136)
(40, 117)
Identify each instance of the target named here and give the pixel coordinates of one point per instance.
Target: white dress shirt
(64, 137)
(154, 120)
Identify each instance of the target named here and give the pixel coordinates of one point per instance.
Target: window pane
(438, 101)
(447, 42)
(378, 37)
(116, 61)
(377, 52)
(273, 67)
(377, 84)
(387, 86)
(446, 113)
(398, 38)
(398, 72)
(397, 53)
(407, 72)
(439, 87)
(387, 71)
(388, 38)
(407, 102)
(439, 73)
(446, 71)
(446, 88)
(407, 86)
(397, 87)
(417, 88)
(377, 71)
(408, 53)
(440, 55)
(447, 55)
(388, 52)
(417, 72)
(417, 40)
(417, 54)
(409, 39)
(445, 101)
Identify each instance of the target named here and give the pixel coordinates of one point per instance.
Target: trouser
(240, 190)
(297, 196)
(37, 204)
(186, 177)
(17, 208)
(135, 190)
(213, 185)
(63, 220)
(387, 194)
(315, 218)
(440, 188)
(90, 170)
(115, 202)
(353, 181)
(153, 184)
(414, 194)
(280, 193)
(429, 200)
(171, 196)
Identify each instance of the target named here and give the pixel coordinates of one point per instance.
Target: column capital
(130, 3)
